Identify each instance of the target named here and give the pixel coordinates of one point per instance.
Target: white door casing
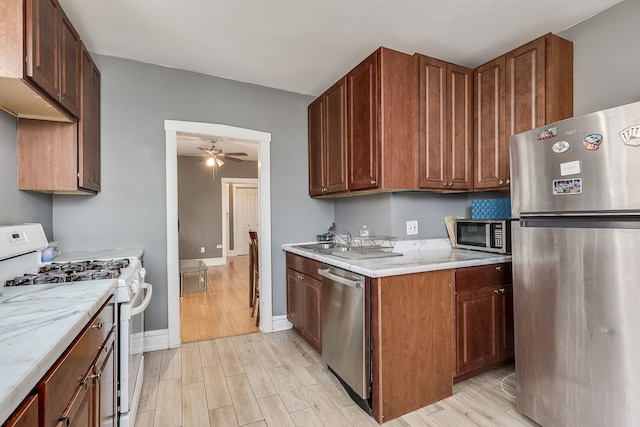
(263, 139)
(245, 217)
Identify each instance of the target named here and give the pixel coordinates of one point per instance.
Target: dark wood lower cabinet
(80, 389)
(304, 297)
(26, 415)
(484, 318)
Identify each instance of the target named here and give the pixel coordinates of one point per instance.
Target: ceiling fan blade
(235, 154)
(232, 159)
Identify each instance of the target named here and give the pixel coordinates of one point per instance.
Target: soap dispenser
(364, 231)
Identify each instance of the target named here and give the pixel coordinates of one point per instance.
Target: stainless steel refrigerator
(576, 269)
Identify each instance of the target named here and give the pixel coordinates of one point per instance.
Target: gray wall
(200, 204)
(131, 209)
(17, 207)
(606, 60)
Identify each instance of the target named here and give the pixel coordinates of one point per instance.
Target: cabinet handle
(97, 326)
(373, 182)
(97, 375)
(499, 268)
(500, 182)
(499, 291)
(507, 181)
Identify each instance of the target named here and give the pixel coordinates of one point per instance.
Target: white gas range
(20, 265)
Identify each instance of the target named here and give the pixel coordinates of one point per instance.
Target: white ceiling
(304, 46)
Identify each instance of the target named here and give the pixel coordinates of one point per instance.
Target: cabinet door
(433, 151)
(89, 126)
(79, 412)
(105, 386)
(490, 140)
(70, 49)
(295, 299)
(335, 152)
(26, 415)
(312, 312)
(459, 129)
(506, 324)
(316, 126)
(42, 44)
(363, 124)
(477, 329)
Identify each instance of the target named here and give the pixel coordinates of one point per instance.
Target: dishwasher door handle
(338, 279)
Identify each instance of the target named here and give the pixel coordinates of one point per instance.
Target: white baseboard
(157, 339)
(280, 323)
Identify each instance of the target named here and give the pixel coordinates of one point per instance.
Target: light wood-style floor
(223, 310)
(278, 380)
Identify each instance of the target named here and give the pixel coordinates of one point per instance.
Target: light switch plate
(412, 227)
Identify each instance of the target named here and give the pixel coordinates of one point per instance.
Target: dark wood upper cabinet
(328, 141)
(43, 44)
(360, 130)
(524, 89)
(444, 123)
(70, 65)
(380, 122)
(53, 53)
(64, 158)
(491, 142)
(364, 124)
(89, 126)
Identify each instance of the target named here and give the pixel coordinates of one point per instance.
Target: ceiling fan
(215, 158)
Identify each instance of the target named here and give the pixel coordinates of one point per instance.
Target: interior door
(245, 214)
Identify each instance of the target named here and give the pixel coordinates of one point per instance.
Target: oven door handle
(145, 303)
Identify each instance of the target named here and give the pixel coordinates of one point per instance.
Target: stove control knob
(142, 273)
(135, 285)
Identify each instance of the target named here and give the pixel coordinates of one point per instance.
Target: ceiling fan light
(210, 162)
(219, 161)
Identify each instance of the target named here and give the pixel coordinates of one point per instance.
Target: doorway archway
(263, 139)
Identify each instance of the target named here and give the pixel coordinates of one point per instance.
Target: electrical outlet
(218, 246)
(202, 250)
(412, 227)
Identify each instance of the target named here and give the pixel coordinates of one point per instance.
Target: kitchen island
(412, 317)
(37, 324)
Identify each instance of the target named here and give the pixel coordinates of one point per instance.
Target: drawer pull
(499, 291)
(97, 326)
(97, 375)
(499, 268)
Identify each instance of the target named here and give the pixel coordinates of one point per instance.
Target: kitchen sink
(325, 248)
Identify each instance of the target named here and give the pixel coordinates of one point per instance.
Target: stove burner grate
(72, 272)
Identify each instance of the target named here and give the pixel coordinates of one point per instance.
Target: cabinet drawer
(304, 265)
(483, 276)
(61, 382)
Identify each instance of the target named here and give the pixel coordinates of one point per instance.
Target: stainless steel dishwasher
(345, 337)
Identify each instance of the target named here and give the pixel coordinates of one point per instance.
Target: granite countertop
(37, 324)
(417, 256)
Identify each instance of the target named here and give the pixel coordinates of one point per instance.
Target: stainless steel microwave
(490, 235)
